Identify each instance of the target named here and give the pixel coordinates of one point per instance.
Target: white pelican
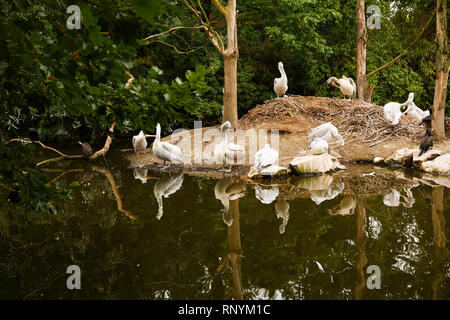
(265, 157)
(319, 146)
(139, 142)
(325, 131)
(224, 150)
(166, 151)
(280, 85)
(141, 174)
(266, 194)
(393, 110)
(409, 199)
(164, 187)
(346, 85)
(416, 112)
(282, 210)
(226, 190)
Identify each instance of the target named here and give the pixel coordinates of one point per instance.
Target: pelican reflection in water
(225, 190)
(393, 198)
(282, 210)
(140, 174)
(346, 207)
(266, 194)
(164, 187)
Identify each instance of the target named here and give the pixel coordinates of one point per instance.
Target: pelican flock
(280, 85)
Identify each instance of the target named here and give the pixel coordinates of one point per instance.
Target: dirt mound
(356, 120)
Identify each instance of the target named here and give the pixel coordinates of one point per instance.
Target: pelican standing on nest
(393, 110)
(280, 85)
(139, 142)
(265, 157)
(346, 85)
(164, 150)
(224, 150)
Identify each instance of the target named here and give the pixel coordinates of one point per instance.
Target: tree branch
(172, 30)
(220, 6)
(176, 49)
(406, 50)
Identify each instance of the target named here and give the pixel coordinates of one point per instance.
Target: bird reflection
(319, 196)
(282, 210)
(266, 194)
(393, 198)
(346, 207)
(225, 190)
(164, 187)
(141, 174)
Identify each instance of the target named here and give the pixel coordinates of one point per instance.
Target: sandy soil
(366, 133)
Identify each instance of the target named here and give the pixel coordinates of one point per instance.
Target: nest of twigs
(355, 120)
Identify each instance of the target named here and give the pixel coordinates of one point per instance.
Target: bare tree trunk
(361, 79)
(231, 55)
(440, 90)
(361, 242)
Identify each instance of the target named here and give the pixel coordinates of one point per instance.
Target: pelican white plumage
(280, 85)
(393, 110)
(139, 142)
(164, 187)
(226, 190)
(409, 199)
(282, 210)
(346, 85)
(327, 132)
(414, 111)
(225, 150)
(265, 157)
(266, 194)
(140, 174)
(319, 146)
(165, 150)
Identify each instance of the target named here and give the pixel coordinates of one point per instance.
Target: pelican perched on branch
(280, 85)
(225, 150)
(166, 151)
(346, 85)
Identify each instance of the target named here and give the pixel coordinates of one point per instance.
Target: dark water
(295, 238)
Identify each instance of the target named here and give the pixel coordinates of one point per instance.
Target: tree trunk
(231, 55)
(361, 80)
(440, 90)
(230, 90)
(235, 250)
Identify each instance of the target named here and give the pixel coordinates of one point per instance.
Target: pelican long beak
(150, 136)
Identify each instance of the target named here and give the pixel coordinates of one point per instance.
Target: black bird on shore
(33, 134)
(427, 142)
(86, 149)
